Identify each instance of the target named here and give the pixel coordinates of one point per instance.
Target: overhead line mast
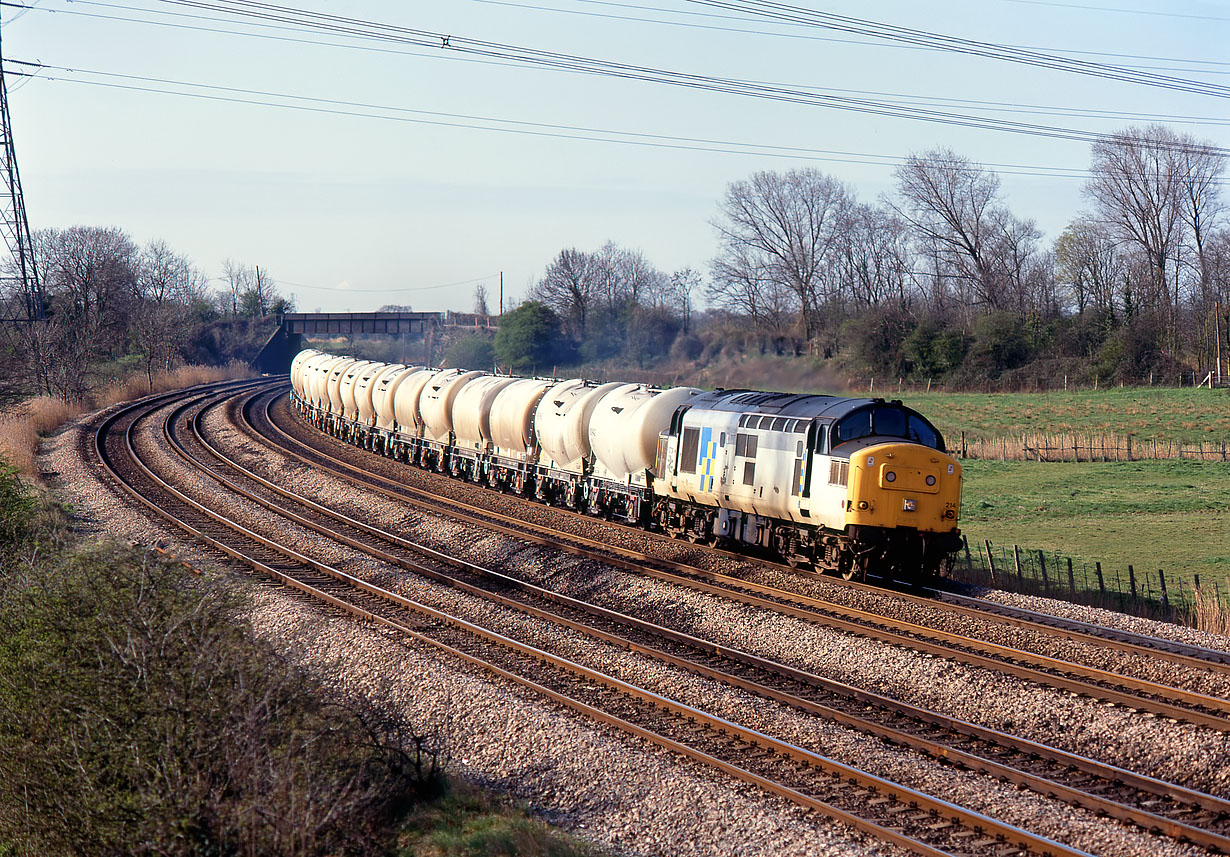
(23, 270)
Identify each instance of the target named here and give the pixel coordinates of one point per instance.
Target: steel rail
(994, 832)
(1108, 774)
(1212, 712)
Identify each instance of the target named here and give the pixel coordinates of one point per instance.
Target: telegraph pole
(22, 272)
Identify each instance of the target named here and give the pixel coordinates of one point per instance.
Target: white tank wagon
(515, 446)
(436, 410)
(624, 433)
(315, 373)
(471, 411)
(333, 389)
(296, 371)
(407, 421)
(561, 426)
(384, 392)
(365, 396)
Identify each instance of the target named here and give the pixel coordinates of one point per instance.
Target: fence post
(969, 563)
(1129, 447)
(1071, 578)
(1020, 578)
(1101, 582)
(1197, 583)
(1132, 582)
(990, 560)
(1046, 584)
(1161, 578)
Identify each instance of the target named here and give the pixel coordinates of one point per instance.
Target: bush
(473, 352)
(529, 338)
(138, 717)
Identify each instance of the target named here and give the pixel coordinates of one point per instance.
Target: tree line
(940, 279)
(104, 298)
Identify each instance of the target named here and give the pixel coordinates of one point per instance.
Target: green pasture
(1183, 415)
(1149, 514)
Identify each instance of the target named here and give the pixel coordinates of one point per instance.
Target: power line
(787, 13)
(366, 110)
(829, 39)
(894, 98)
(590, 66)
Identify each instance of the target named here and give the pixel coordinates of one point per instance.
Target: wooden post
(1132, 582)
(1101, 580)
(1197, 583)
(1161, 578)
(1046, 585)
(1129, 447)
(1020, 578)
(1071, 578)
(969, 563)
(990, 559)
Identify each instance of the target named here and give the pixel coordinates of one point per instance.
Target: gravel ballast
(620, 792)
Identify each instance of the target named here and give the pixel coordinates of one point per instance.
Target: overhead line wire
(593, 66)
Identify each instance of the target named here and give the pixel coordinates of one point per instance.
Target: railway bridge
(287, 340)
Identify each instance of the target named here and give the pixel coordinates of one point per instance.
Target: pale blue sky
(349, 212)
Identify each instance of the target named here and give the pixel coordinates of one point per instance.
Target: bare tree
(569, 289)
(683, 285)
(238, 278)
(780, 228)
(746, 285)
(480, 300)
(91, 286)
(1091, 266)
(1137, 191)
(953, 206)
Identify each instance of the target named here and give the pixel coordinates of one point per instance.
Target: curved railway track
(1148, 803)
(1139, 694)
(888, 811)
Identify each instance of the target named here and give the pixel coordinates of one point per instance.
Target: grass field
(1172, 515)
(1150, 413)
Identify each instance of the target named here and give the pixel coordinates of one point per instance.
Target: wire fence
(1088, 447)
(1147, 592)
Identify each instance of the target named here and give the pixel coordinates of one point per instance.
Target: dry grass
(22, 428)
(1208, 614)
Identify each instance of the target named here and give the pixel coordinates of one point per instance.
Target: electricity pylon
(20, 276)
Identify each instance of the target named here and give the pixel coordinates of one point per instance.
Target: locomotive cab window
(885, 421)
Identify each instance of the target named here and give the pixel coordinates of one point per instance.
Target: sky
(362, 171)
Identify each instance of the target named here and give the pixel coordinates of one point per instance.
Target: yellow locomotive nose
(904, 485)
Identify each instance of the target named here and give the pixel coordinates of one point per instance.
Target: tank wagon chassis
(844, 485)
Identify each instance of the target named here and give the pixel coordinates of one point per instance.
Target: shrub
(138, 717)
(528, 338)
(473, 352)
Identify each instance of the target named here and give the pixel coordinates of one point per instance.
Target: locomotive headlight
(890, 476)
(949, 514)
(930, 480)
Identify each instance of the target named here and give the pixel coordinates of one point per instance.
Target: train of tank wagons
(847, 485)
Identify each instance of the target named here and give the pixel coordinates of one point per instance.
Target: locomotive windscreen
(886, 421)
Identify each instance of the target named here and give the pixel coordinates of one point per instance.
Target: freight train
(847, 485)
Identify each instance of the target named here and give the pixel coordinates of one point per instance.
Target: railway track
(888, 811)
(1105, 789)
(1139, 694)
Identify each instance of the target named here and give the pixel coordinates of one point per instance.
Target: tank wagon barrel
(843, 484)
